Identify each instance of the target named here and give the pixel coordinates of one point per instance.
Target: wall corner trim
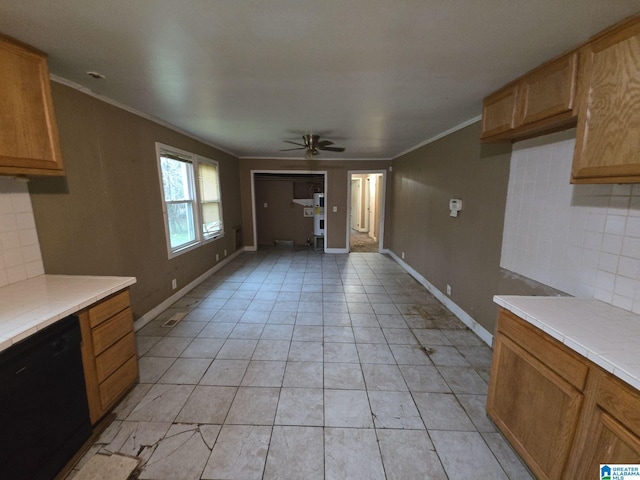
(157, 310)
(455, 309)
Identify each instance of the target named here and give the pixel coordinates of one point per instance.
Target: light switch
(265, 204)
(335, 209)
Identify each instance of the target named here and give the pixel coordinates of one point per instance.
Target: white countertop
(606, 335)
(33, 304)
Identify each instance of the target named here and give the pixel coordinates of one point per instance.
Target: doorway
(366, 211)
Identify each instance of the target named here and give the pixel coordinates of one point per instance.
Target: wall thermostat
(455, 205)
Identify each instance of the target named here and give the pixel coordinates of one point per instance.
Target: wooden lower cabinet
(108, 352)
(563, 414)
(609, 428)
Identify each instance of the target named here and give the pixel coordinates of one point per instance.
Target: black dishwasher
(44, 417)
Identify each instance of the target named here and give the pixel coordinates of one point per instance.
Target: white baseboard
(157, 310)
(250, 248)
(455, 309)
(336, 250)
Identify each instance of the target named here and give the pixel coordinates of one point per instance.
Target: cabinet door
(609, 430)
(498, 112)
(547, 95)
(536, 410)
(29, 140)
(608, 135)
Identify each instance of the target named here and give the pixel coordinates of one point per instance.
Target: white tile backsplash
(20, 257)
(580, 239)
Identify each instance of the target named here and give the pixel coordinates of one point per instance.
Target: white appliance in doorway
(318, 214)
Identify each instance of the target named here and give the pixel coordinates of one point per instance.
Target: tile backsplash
(20, 256)
(580, 239)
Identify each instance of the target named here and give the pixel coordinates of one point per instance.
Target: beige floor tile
(375, 353)
(203, 348)
(137, 439)
(476, 408)
(169, 347)
(399, 336)
(181, 455)
(465, 454)
(271, 350)
(409, 454)
(277, 332)
(410, 355)
(216, 329)
(301, 407)
(186, 371)
(240, 452)
(343, 376)
(369, 335)
(207, 405)
(508, 459)
(264, 374)
(305, 352)
(464, 380)
(307, 333)
(236, 349)
(424, 378)
(295, 453)
(341, 353)
(161, 404)
(352, 453)
(442, 411)
(225, 373)
(347, 408)
(338, 335)
(446, 356)
(254, 406)
(152, 368)
(303, 375)
(394, 410)
(247, 331)
(383, 377)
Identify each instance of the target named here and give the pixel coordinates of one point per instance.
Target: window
(191, 199)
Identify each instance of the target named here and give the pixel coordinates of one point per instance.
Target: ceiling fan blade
(332, 149)
(324, 143)
(289, 149)
(295, 143)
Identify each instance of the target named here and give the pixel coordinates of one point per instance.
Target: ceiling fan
(313, 145)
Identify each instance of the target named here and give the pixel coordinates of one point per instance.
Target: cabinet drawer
(111, 331)
(108, 308)
(113, 357)
(118, 383)
(553, 354)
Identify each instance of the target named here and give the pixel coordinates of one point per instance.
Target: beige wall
(105, 216)
(463, 252)
(336, 191)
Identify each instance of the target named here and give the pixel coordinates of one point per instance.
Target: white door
(355, 203)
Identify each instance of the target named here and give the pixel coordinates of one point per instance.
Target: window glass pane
(208, 179)
(181, 225)
(176, 179)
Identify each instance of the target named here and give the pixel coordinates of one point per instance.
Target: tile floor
(303, 365)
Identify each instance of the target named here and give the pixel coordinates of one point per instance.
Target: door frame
(381, 195)
(284, 172)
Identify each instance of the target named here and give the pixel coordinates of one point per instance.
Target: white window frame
(196, 204)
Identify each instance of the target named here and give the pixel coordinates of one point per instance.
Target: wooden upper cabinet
(541, 101)
(498, 112)
(608, 135)
(29, 142)
(548, 94)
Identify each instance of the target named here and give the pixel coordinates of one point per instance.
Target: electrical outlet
(448, 289)
(217, 257)
(403, 255)
(174, 284)
(225, 252)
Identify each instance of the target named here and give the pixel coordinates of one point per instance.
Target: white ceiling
(378, 77)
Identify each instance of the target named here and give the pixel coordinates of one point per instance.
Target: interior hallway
(362, 243)
(308, 365)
